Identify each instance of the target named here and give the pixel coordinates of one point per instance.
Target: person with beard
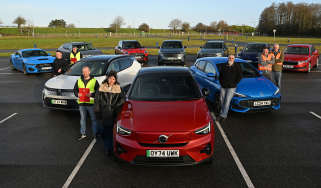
(278, 65)
(108, 103)
(60, 65)
(75, 55)
(230, 75)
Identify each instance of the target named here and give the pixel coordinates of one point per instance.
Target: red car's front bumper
(193, 152)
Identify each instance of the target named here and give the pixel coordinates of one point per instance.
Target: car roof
(215, 41)
(172, 41)
(30, 49)
(300, 45)
(219, 60)
(164, 70)
(102, 57)
(129, 40)
(78, 43)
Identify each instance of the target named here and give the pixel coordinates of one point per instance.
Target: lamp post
(274, 31)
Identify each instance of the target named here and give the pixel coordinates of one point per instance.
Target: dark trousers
(108, 138)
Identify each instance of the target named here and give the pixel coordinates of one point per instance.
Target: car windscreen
(131, 44)
(248, 71)
(84, 47)
(97, 68)
(213, 45)
(34, 53)
(254, 48)
(162, 87)
(172, 44)
(297, 50)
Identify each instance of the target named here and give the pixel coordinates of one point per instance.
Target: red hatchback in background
(165, 120)
(300, 57)
(133, 48)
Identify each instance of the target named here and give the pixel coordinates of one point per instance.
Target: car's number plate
(262, 103)
(162, 153)
(46, 68)
(288, 66)
(60, 102)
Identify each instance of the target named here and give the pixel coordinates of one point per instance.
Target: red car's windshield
(160, 87)
(131, 45)
(297, 50)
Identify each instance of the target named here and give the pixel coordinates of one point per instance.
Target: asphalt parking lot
(39, 147)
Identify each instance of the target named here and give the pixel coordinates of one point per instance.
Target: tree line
(291, 19)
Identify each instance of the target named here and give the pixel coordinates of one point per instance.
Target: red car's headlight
(204, 130)
(122, 131)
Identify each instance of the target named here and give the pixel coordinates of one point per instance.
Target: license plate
(288, 66)
(59, 102)
(162, 153)
(139, 57)
(249, 61)
(46, 68)
(171, 58)
(262, 103)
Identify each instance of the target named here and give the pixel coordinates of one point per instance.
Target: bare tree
(117, 23)
(213, 26)
(222, 26)
(71, 25)
(175, 24)
(1, 22)
(186, 27)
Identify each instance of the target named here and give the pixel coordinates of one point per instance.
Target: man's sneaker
(82, 137)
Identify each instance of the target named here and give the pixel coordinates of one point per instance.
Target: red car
(165, 120)
(300, 57)
(132, 47)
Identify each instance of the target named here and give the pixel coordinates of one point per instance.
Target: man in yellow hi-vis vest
(85, 89)
(75, 55)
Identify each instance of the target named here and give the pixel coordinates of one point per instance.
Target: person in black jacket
(108, 103)
(230, 76)
(60, 65)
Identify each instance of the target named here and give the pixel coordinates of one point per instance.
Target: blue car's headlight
(236, 94)
(277, 91)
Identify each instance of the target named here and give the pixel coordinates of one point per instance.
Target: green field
(53, 41)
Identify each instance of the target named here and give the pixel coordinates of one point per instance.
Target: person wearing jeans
(278, 65)
(230, 75)
(85, 88)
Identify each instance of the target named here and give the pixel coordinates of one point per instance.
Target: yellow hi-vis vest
(90, 85)
(77, 56)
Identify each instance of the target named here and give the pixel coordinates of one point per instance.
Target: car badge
(59, 92)
(162, 139)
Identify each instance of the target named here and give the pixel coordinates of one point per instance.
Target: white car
(58, 91)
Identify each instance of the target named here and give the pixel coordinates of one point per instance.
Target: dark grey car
(85, 48)
(171, 52)
(213, 49)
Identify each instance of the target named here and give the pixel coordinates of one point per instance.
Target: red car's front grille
(162, 145)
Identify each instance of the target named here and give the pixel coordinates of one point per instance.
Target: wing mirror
(185, 46)
(206, 92)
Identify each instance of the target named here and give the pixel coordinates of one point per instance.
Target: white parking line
(5, 119)
(5, 68)
(8, 73)
(79, 164)
(235, 157)
(316, 115)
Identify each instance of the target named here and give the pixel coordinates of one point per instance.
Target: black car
(171, 51)
(85, 48)
(213, 49)
(252, 51)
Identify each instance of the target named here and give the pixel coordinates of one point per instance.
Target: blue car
(31, 61)
(254, 92)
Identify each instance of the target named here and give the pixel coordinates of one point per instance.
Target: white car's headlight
(204, 130)
(236, 94)
(49, 91)
(122, 131)
(277, 91)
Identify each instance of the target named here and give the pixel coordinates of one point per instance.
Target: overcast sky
(157, 13)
